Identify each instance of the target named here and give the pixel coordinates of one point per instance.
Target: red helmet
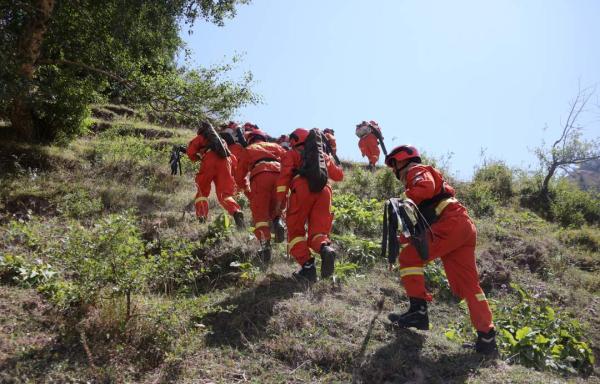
(298, 137)
(373, 124)
(255, 135)
(403, 152)
(328, 130)
(233, 125)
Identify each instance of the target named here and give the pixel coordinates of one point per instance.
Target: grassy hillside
(106, 277)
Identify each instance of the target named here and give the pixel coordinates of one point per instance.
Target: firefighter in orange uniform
(262, 161)
(307, 209)
(233, 135)
(217, 169)
(453, 240)
(368, 142)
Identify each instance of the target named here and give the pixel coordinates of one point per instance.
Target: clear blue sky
(446, 76)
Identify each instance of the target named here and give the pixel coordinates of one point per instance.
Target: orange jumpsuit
(454, 240)
(262, 161)
(213, 168)
(369, 148)
(237, 151)
(306, 207)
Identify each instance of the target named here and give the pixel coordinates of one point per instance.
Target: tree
(570, 149)
(58, 56)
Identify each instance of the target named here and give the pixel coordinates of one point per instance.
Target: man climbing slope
(309, 203)
(453, 238)
(215, 166)
(261, 162)
(370, 137)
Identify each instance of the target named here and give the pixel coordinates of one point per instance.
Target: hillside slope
(203, 310)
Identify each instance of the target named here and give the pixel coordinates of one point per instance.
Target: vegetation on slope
(107, 277)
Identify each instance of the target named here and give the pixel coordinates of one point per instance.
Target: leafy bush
(79, 204)
(436, 279)
(358, 251)
(498, 177)
(365, 217)
(533, 334)
(585, 237)
(110, 256)
(573, 207)
(479, 199)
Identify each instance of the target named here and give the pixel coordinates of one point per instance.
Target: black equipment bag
(403, 216)
(314, 167)
(175, 160)
(241, 139)
(214, 140)
(377, 132)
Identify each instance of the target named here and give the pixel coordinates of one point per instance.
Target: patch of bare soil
(26, 205)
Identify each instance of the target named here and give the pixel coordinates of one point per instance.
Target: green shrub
(586, 237)
(364, 217)
(108, 257)
(533, 334)
(573, 207)
(79, 204)
(357, 250)
(498, 177)
(436, 280)
(479, 199)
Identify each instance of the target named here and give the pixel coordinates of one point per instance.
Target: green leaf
(522, 333)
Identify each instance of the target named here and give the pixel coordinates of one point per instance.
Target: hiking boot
(327, 261)
(264, 253)
(415, 317)
(279, 230)
(486, 342)
(238, 217)
(308, 272)
(201, 219)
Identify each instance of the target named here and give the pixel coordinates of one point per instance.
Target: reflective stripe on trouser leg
(413, 280)
(479, 311)
(262, 230)
(229, 203)
(201, 205)
(298, 248)
(317, 240)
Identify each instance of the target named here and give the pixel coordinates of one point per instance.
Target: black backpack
(214, 140)
(314, 167)
(403, 216)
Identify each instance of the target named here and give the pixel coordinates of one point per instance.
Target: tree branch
(111, 75)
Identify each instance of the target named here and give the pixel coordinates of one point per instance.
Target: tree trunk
(30, 43)
(544, 191)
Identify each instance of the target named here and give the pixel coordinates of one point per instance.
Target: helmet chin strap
(398, 170)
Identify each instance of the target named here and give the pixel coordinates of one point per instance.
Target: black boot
(415, 317)
(279, 230)
(327, 261)
(201, 219)
(486, 342)
(238, 217)
(308, 272)
(265, 252)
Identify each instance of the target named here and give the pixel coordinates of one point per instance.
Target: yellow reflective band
(411, 271)
(480, 297)
(281, 188)
(318, 234)
(295, 241)
(443, 204)
(201, 198)
(261, 224)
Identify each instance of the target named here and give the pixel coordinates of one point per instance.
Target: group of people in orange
(271, 173)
